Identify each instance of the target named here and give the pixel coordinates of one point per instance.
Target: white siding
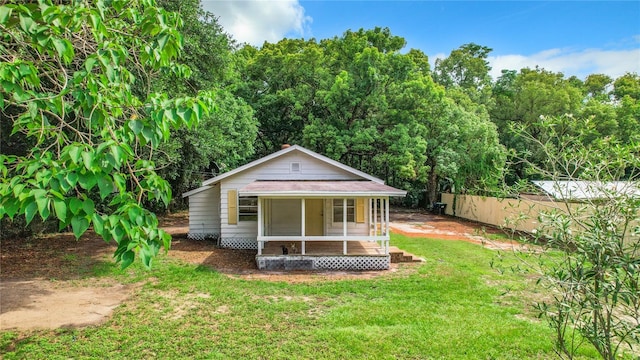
(204, 212)
(276, 169)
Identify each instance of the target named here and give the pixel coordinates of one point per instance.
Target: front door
(313, 217)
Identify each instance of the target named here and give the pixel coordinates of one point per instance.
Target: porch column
(387, 216)
(302, 225)
(370, 216)
(386, 249)
(375, 217)
(344, 225)
(260, 230)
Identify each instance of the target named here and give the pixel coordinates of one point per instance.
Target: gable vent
(295, 167)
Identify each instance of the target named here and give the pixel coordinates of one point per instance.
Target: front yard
(454, 305)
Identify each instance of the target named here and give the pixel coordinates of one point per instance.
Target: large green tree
(466, 68)
(358, 99)
(67, 76)
(522, 98)
(224, 139)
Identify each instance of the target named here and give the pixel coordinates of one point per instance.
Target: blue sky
(573, 37)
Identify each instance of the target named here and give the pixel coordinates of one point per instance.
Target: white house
(299, 209)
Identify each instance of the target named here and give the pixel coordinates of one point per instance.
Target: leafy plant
(596, 226)
(66, 79)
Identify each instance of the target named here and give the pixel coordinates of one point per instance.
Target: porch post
(370, 216)
(260, 232)
(302, 225)
(386, 250)
(344, 225)
(375, 217)
(387, 216)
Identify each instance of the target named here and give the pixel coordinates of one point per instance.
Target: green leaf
(60, 208)
(64, 49)
(90, 63)
(149, 135)
(30, 211)
(88, 206)
(10, 207)
(106, 187)
(87, 181)
(119, 181)
(98, 223)
(72, 178)
(136, 126)
(75, 153)
(43, 203)
(87, 158)
(5, 13)
(79, 224)
(26, 23)
(118, 154)
(126, 259)
(75, 205)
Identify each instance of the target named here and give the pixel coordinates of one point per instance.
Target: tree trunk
(432, 186)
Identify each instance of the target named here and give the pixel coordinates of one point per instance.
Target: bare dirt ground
(427, 225)
(47, 282)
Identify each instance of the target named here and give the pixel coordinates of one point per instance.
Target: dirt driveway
(47, 283)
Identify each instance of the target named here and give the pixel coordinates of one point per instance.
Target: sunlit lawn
(453, 306)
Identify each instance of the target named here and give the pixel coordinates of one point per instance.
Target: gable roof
(210, 182)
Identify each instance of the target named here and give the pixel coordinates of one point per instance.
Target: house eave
(319, 194)
(195, 191)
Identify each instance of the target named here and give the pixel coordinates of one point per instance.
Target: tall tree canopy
(77, 88)
(357, 99)
(224, 139)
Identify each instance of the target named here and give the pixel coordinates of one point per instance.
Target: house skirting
(323, 262)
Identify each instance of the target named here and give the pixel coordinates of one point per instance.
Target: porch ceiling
(325, 188)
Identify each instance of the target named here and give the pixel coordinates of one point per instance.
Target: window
(337, 210)
(248, 208)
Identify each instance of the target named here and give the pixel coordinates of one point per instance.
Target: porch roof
(316, 188)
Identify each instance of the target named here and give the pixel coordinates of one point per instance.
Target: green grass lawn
(453, 306)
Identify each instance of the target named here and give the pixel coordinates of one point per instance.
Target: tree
(67, 75)
(597, 86)
(594, 276)
(222, 140)
(521, 99)
(280, 82)
(466, 68)
(627, 92)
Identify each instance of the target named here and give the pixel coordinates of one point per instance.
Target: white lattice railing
(352, 262)
(239, 243)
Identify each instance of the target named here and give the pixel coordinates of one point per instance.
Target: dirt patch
(49, 281)
(38, 304)
(422, 224)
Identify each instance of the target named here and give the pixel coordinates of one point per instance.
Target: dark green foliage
(79, 134)
(358, 100)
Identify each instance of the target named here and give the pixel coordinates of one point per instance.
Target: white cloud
(257, 21)
(571, 62)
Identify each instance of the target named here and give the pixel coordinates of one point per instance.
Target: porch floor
(324, 248)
